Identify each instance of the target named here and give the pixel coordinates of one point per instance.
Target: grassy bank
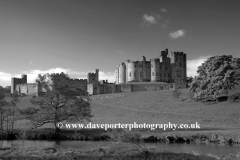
(113, 151)
(219, 122)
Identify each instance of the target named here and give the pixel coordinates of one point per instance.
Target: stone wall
(30, 88)
(179, 85)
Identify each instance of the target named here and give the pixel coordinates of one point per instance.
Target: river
(212, 148)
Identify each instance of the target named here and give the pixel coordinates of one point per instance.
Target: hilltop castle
(167, 68)
(167, 71)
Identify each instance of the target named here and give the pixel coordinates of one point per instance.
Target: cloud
(110, 76)
(30, 62)
(192, 65)
(163, 10)
(117, 51)
(165, 25)
(177, 34)
(150, 19)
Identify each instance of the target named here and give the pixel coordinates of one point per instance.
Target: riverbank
(113, 151)
(196, 136)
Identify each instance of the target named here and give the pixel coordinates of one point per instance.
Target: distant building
(167, 68)
(163, 73)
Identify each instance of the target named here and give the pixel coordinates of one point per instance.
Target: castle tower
(24, 78)
(144, 70)
(93, 78)
(97, 75)
(12, 85)
(179, 67)
(155, 70)
(132, 71)
(122, 73)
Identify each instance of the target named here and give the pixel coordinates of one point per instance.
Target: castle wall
(79, 84)
(15, 81)
(30, 88)
(155, 70)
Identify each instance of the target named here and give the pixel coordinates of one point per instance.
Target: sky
(79, 36)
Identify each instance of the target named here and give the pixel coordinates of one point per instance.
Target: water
(212, 148)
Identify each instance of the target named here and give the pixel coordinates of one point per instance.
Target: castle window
(153, 73)
(157, 74)
(93, 79)
(130, 74)
(134, 74)
(141, 74)
(168, 74)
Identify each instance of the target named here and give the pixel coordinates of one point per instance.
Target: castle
(170, 68)
(163, 73)
(21, 86)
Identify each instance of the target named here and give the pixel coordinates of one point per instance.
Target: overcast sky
(79, 36)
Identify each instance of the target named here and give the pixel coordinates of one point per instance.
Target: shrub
(176, 93)
(234, 96)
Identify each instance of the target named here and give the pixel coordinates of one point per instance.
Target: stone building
(92, 82)
(170, 68)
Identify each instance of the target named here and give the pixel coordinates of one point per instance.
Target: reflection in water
(187, 148)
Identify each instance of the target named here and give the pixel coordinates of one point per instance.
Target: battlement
(122, 64)
(129, 61)
(155, 59)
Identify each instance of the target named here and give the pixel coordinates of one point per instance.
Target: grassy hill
(159, 107)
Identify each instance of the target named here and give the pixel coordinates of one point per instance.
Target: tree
(189, 81)
(217, 76)
(3, 104)
(12, 109)
(57, 102)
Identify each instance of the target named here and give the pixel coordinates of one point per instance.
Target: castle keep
(170, 68)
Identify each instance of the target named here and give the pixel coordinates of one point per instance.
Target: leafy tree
(57, 102)
(3, 104)
(189, 81)
(216, 76)
(12, 110)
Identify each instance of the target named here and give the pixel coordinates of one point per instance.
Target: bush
(234, 96)
(176, 94)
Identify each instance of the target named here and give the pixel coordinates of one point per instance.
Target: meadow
(141, 107)
(158, 108)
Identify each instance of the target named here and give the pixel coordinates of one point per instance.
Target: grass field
(157, 108)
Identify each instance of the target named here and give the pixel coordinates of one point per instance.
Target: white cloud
(165, 25)
(192, 65)
(110, 76)
(5, 76)
(118, 51)
(150, 19)
(177, 34)
(163, 10)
